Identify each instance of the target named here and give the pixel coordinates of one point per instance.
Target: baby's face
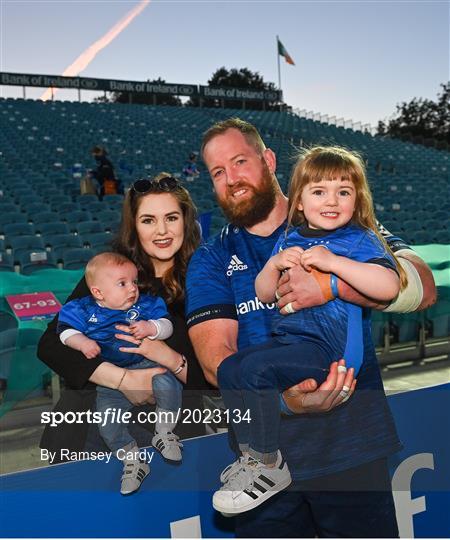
(117, 285)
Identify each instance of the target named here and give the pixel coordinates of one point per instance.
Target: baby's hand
(143, 329)
(90, 349)
(320, 257)
(287, 258)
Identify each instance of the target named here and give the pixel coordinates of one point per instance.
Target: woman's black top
(80, 394)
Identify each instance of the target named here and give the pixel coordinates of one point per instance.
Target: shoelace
(244, 474)
(231, 469)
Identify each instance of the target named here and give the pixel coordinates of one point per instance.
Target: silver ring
(277, 296)
(343, 393)
(288, 308)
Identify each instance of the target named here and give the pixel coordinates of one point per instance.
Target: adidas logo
(93, 318)
(235, 265)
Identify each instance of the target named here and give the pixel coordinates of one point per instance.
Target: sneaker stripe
(251, 494)
(268, 481)
(259, 487)
(282, 463)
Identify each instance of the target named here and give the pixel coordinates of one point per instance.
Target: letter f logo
(405, 506)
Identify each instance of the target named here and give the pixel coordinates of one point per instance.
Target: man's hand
(137, 385)
(303, 289)
(305, 397)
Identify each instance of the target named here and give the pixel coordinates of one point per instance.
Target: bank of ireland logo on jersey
(235, 265)
(132, 315)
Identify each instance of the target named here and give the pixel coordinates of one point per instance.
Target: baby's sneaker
(133, 475)
(168, 446)
(251, 485)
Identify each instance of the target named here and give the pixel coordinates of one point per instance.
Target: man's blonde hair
(100, 261)
(248, 130)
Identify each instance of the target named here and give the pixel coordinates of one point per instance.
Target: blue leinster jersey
(336, 326)
(221, 285)
(98, 323)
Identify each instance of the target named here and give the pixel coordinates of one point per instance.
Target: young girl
(331, 227)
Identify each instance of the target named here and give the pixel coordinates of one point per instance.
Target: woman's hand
(137, 385)
(156, 350)
(305, 397)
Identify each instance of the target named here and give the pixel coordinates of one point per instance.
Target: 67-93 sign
(40, 305)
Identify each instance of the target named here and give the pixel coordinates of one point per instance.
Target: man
(338, 459)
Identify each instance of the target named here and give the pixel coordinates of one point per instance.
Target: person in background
(190, 171)
(104, 173)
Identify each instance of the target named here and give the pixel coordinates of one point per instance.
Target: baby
(88, 325)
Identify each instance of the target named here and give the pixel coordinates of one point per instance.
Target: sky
(354, 60)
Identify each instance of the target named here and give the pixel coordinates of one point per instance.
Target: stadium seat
(61, 242)
(108, 216)
(54, 227)
(439, 316)
(12, 217)
(18, 229)
(35, 208)
(8, 207)
(45, 217)
(22, 244)
(34, 260)
(67, 207)
(8, 340)
(74, 217)
(6, 262)
(7, 321)
(88, 227)
(96, 240)
(74, 259)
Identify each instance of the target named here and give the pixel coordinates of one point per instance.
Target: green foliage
(242, 78)
(422, 119)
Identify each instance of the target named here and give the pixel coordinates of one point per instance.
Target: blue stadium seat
(61, 242)
(45, 217)
(18, 229)
(8, 340)
(97, 240)
(35, 209)
(22, 244)
(74, 259)
(66, 207)
(88, 227)
(6, 262)
(12, 217)
(74, 217)
(8, 207)
(8, 321)
(54, 227)
(34, 260)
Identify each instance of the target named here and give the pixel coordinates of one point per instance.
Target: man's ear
(97, 293)
(270, 159)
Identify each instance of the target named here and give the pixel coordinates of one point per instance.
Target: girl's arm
(369, 279)
(267, 280)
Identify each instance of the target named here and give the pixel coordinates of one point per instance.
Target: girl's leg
(266, 373)
(230, 384)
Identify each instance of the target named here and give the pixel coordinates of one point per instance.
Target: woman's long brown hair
(127, 242)
(328, 162)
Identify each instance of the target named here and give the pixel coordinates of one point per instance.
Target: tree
(237, 78)
(422, 119)
(142, 98)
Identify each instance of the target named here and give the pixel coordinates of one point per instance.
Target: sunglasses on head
(145, 185)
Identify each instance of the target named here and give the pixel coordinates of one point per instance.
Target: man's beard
(254, 209)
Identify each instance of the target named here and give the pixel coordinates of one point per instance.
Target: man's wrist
(324, 282)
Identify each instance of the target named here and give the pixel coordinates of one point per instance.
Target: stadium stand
(40, 196)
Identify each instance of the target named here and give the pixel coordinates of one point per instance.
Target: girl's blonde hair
(327, 163)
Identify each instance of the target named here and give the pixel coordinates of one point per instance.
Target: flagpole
(279, 71)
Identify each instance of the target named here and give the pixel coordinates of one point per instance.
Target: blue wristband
(334, 285)
(284, 409)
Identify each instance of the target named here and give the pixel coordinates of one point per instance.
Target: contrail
(91, 52)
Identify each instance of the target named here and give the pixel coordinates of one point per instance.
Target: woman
(158, 233)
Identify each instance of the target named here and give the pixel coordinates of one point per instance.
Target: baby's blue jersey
(221, 285)
(336, 326)
(98, 323)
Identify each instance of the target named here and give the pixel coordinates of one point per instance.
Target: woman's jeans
(252, 379)
(167, 391)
